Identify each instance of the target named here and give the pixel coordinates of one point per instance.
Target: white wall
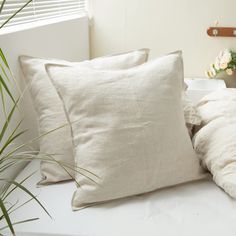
(163, 26)
(67, 40)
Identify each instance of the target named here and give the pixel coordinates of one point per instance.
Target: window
(38, 10)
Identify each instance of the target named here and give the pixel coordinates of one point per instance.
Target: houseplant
(224, 67)
(10, 153)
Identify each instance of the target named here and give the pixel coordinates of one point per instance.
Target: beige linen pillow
(123, 125)
(50, 111)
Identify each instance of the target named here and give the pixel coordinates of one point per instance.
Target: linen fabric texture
(215, 142)
(191, 115)
(50, 111)
(128, 129)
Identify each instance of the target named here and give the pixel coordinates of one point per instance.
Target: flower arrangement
(224, 62)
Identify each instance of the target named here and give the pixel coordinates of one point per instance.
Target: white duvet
(215, 142)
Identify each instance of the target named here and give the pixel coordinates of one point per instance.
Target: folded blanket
(215, 142)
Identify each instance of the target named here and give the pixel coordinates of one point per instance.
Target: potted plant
(224, 68)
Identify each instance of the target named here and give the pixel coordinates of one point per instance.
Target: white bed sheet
(198, 208)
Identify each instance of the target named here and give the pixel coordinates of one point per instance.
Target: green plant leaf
(31, 141)
(11, 139)
(6, 88)
(13, 189)
(48, 158)
(3, 101)
(6, 216)
(2, 5)
(4, 59)
(4, 128)
(9, 164)
(20, 222)
(9, 69)
(9, 209)
(26, 191)
(18, 207)
(4, 72)
(13, 15)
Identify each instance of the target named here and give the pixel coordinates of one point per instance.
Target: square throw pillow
(123, 125)
(50, 111)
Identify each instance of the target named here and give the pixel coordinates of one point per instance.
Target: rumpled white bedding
(196, 209)
(215, 142)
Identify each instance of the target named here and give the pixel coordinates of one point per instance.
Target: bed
(197, 208)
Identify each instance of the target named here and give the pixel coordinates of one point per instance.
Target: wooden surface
(221, 32)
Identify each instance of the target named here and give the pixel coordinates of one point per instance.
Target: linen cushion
(50, 111)
(123, 125)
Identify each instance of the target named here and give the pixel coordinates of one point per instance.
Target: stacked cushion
(51, 116)
(123, 124)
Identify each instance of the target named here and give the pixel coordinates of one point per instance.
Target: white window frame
(40, 12)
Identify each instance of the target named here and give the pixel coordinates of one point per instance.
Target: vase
(230, 80)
